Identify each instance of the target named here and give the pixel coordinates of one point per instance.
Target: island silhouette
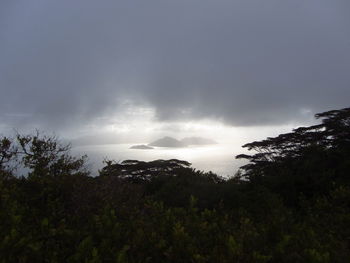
(171, 142)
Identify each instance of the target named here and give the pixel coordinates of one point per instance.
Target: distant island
(168, 142)
(141, 147)
(174, 143)
(171, 142)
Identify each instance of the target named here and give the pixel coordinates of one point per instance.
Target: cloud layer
(67, 63)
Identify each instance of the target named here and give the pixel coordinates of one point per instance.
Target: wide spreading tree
(307, 160)
(141, 170)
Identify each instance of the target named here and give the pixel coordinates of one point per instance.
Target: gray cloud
(65, 63)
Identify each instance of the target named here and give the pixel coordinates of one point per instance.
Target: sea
(218, 158)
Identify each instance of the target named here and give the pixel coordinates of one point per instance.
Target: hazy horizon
(218, 158)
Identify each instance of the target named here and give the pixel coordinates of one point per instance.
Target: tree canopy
(141, 170)
(332, 133)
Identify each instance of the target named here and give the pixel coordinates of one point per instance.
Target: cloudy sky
(82, 67)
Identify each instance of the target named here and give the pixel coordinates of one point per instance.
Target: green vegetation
(290, 203)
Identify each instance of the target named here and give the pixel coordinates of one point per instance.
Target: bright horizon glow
(141, 127)
(138, 124)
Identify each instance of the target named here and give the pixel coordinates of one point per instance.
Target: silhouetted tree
(43, 155)
(308, 160)
(8, 154)
(139, 170)
(333, 132)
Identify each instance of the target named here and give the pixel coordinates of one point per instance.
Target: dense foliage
(290, 203)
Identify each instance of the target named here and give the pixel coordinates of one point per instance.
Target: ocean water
(218, 158)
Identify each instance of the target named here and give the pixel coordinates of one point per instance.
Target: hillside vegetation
(290, 203)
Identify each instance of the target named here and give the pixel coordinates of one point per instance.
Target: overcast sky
(72, 65)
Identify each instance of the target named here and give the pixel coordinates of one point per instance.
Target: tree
(8, 153)
(333, 133)
(308, 162)
(43, 155)
(139, 170)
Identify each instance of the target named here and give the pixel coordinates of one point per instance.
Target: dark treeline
(290, 203)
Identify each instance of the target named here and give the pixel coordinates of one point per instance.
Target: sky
(131, 70)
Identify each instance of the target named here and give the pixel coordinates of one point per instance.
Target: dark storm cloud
(243, 62)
